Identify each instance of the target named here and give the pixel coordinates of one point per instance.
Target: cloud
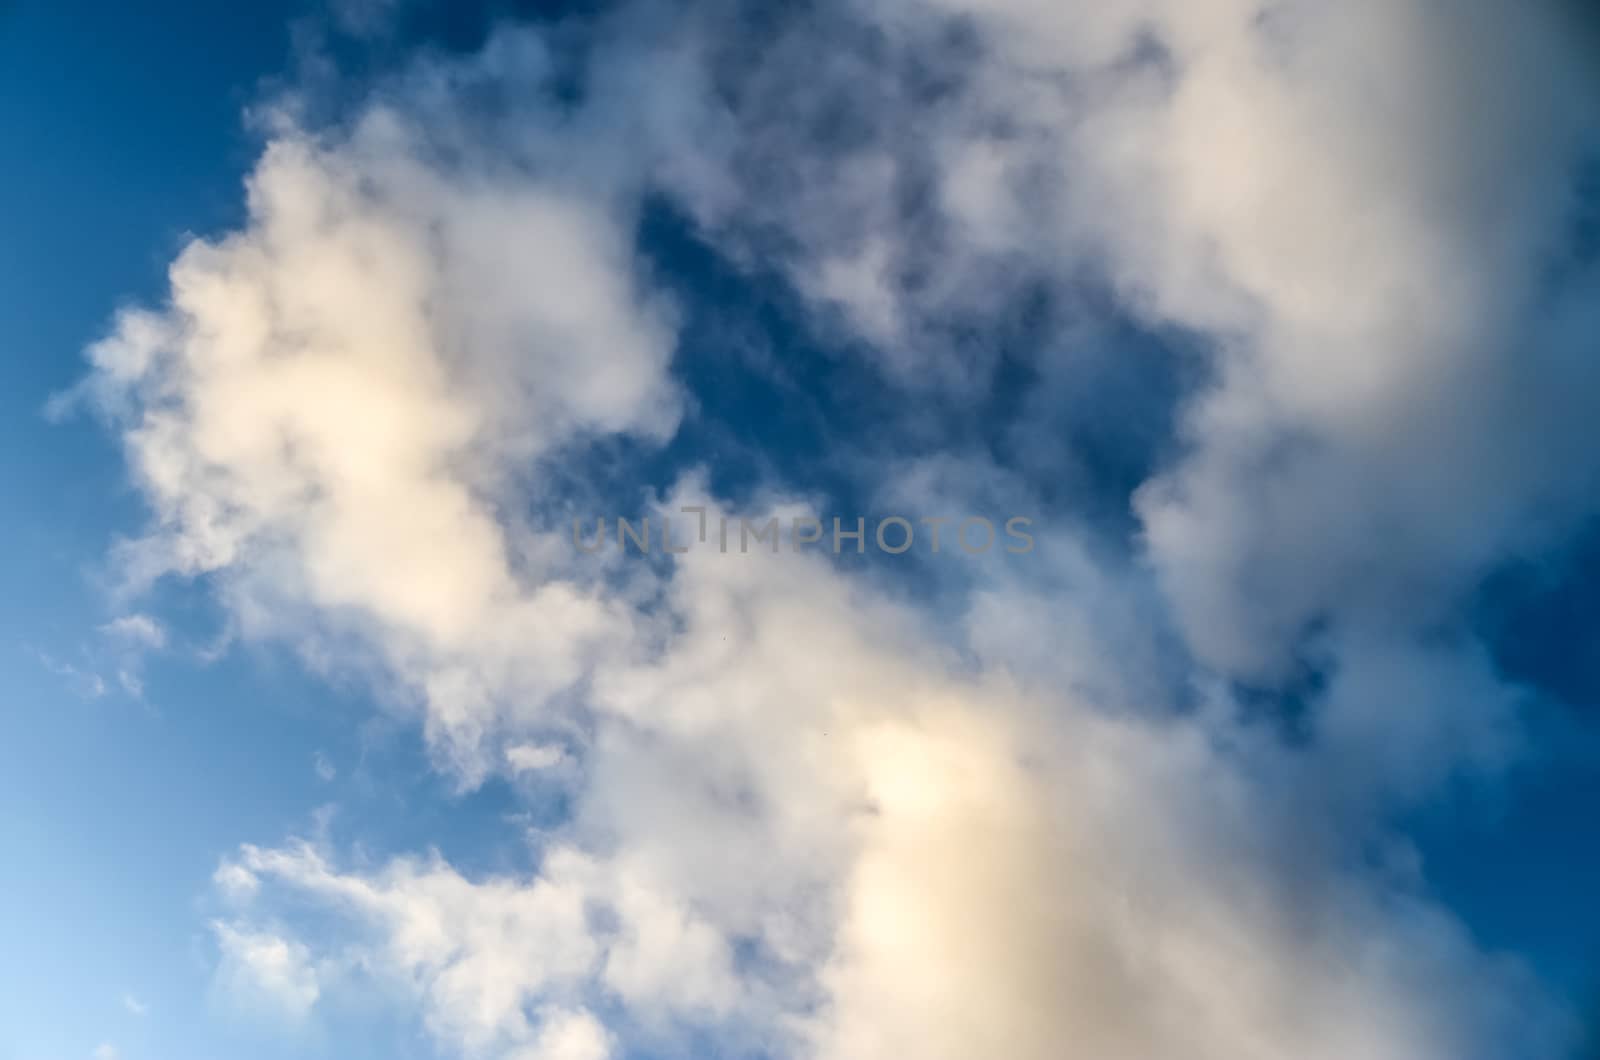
(105, 1051)
(805, 812)
(534, 757)
(263, 969)
(82, 682)
(1381, 265)
(499, 963)
(1382, 274)
(364, 18)
(134, 1006)
(137, 630)
(569, 1035)
(326, 415)
(909, 839)
(235, 881)
(92, 677)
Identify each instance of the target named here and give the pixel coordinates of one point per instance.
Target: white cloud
(326, 415)
(568, 1035)
(896, 839)
(482, 955)
(1359, 227)
(1378, 265)
(260, 968)
(81, 681)
(134, 1005)
(534, 757)
(131, 683)
(235, 880)
(807, 816)
(137, 630)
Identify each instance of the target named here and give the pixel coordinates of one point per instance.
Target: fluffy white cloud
(534, 757)
(918, 861)
(499, 964)
(1374, 246)
(326, 416)
(1374, 242)
(568, 1035)
(809, 819)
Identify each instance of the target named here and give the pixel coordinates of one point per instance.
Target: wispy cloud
(82, 681)
(260, 968)
(138, 630)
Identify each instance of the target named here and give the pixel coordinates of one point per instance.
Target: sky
(1259, 334)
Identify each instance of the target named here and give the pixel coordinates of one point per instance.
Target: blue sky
(123, 141)
(350, 754)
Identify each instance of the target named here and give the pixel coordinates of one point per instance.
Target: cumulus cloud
(1375, 250)
(325, 416)
(1366, 236)
(886, 838)
(502, 966)
(811, 819)
(568, 1035)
